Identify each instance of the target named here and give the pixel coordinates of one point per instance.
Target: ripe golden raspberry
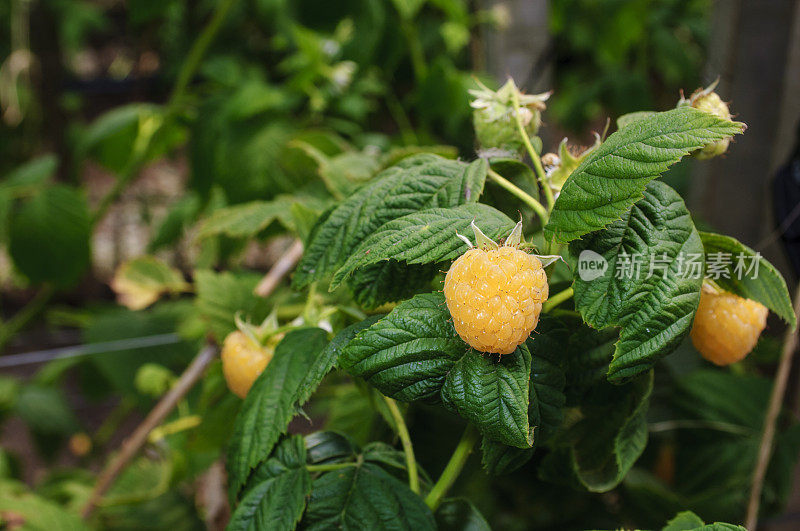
(726, 326)
(243, 359)
(495, 296)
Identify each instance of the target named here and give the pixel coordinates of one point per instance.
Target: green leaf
(171, 229)
(610, 180)
(390, 281)
(407, 354)
(35, 512)
(298, 366)
(767, 287)
(655, 313)
(324, 447)
(140, 282)
(417, 183)
(458, 514)
(588, 354)
(414, 353)
(49, 236)
(30, 175)
(612, 433)
(243, 220)
(684, 521)
(493, 395)
(631, 117)
(364, 496)
(220, 296)
(546, 397)
(277, 497)
(424, 237)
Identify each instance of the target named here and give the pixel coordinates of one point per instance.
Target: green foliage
(655, 308)
(220, 296)
(49, 236)
(613, 177)
(298, 366)
(276, 498)
(763, 284)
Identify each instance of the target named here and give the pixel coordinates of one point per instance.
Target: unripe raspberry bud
(495, 295)
(494, 117)
(707, 100)
(726, 327)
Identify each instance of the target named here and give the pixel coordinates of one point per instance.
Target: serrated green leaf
(768, 287)
(407, 354)
(414, 353)
(364, 496)
(458, 514)
(425, 237)
(277, 497)
(140, 282)
(298, 366)
(588, 354)
(631, 117)
(390, 281)
(684, 521)
(243, 220)
(330, 447)
(546, 345)
(655, 313)
(220, 296)
(49, 236)
(492, 394)
(612, 433)
(417, 183)
(614, 176)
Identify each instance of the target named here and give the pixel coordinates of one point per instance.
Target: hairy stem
(405, 439)
(520, 194)
(537, 162)
(557, 299)
(454, 467)
(768, 434)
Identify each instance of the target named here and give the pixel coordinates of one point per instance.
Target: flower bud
(494, 117)
(707, 100)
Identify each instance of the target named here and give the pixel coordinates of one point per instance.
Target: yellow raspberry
(495, 296)
(243, 360)
(726, 326)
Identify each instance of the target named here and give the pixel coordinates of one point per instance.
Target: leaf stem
(454, 467)
(557, 299)
(521, 194)
(405, 439)
(329, 467)
(537, 162)
(28, 312)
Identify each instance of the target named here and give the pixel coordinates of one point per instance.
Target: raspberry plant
(568, 390)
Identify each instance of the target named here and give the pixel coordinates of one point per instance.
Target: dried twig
(280, 269)
(134, 443)
(193, 372)
(768, 433)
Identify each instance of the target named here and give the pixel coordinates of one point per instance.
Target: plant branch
(329, 467)
(770, 419)
(408, 449)
(520, 194)
(557, 299)
(10, 328)
(454, 467)
(280, 269)
(537, 162)
(134, 443)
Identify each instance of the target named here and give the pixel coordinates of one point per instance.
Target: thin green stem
(199, 49)
(10, 328)
(454, 467)
(521, 194)
(405, 439)
(401, 118)
(537, 162)
(330, 467)
(557, 299)
(415, 50)
(697, 424)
